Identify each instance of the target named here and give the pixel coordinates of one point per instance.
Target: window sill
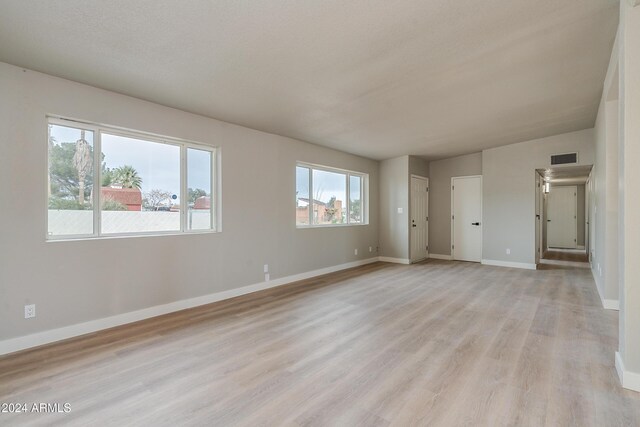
(303, 227)
(129, 236)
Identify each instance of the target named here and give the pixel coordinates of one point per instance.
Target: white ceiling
(433, 78)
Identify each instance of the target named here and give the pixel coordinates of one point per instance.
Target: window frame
(364, 195)
(184, 145)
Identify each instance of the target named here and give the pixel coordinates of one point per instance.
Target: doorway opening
(562, 216)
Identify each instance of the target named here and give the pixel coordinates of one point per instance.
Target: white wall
(441, 172)
(604, 203)
(418, 166)
(509, 191)
(615, 208)
(395, 178)
(78, 281)
(394, 195)
(628, 362)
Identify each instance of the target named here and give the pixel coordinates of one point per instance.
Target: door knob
(413, 225)
(475, 223)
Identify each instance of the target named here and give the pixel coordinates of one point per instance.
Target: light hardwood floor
(437, 343)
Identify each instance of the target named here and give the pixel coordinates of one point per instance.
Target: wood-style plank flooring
(436, 344)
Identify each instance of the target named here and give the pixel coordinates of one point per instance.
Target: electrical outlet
(508, 251)
(266, 277)
(370, 249)
(266, 268)
(29, 311)
(400, 210)
(355, 252)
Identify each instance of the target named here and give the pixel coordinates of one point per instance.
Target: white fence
(63, 222)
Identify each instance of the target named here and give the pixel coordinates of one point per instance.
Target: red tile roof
(126, 196)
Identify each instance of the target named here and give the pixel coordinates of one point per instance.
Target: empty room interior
(328, 213)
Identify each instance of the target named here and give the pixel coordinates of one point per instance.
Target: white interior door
(562, 222)
(539, 216)
(466, 220)
(419, 218)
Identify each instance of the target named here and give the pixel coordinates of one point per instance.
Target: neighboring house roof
(126, 196)
(202, 202)
(317, 202)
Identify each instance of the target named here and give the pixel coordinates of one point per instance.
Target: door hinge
(453, 187)
(427, 189)
(453, 217)
(427, 218)
(453, 247)
(427, 247)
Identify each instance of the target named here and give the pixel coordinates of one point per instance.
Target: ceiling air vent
(564, 159)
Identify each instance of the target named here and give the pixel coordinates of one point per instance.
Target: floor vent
(564, 159)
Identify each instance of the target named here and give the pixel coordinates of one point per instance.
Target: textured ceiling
(433, 78)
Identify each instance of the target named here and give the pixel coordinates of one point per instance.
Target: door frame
(540, 219)
(424, 178)
(453, 178)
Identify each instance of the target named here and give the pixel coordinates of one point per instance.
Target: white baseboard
(439, 256)
(510, 264)
(394, 260)
(580, 247)
(629, 380)
(12, 345)
(609, 304)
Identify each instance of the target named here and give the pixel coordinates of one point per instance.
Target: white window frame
(364, 195)
(98, 130)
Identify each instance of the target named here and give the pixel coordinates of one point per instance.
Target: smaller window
(328, 196)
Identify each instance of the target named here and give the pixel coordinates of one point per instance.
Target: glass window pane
(329, 197)
(302, 195)
(355, 197)
(140, 188)
(199, 202)
(70, 181)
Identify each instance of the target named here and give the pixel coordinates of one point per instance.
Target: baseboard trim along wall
(394, 260)
(510, 264)
(629, 380)
(12, 345)
(440, 256)
(609, 304)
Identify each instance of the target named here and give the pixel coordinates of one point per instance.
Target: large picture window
(327, 196)
(104, 182)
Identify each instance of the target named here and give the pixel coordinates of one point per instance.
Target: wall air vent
(564, 159)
